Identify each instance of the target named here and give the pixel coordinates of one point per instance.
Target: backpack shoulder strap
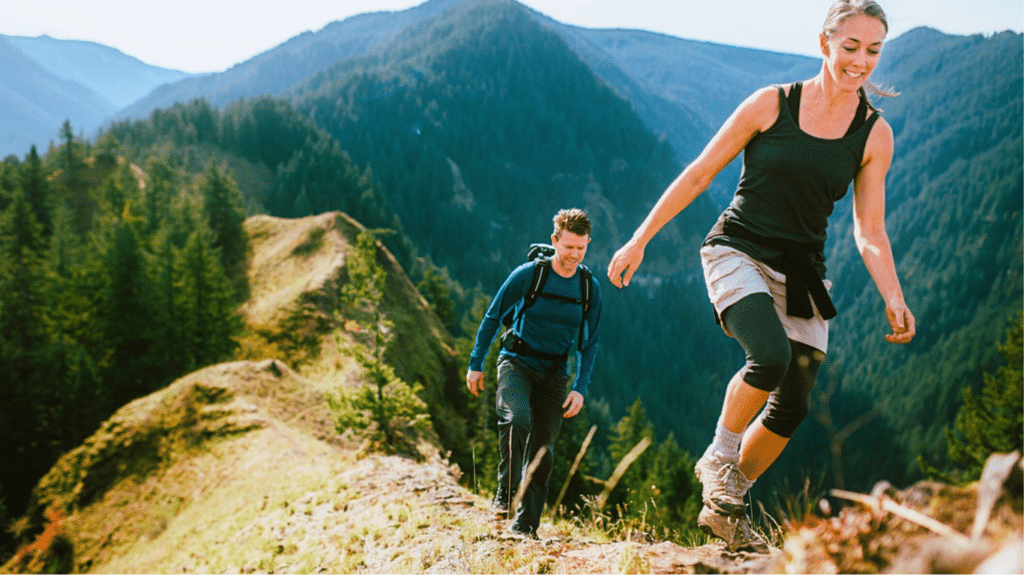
(541, 270)
(585, 288)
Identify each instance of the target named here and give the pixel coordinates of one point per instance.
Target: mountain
(238, 468)
(234, 441)
(484, 121)
(119, 78)
(36, 102)
(681, 88)
(479, 115)
(277, 70)
(48, 81)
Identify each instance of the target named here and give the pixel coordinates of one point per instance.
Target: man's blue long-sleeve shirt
(549, 326)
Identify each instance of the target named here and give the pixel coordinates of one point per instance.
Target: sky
(212, 35)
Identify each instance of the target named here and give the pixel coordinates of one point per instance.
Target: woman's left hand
(904, 327)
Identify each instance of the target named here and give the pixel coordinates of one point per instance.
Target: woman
(763, 260)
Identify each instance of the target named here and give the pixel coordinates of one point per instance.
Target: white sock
(726, 442)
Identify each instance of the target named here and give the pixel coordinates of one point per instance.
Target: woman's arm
(870, 235)
(756, 114)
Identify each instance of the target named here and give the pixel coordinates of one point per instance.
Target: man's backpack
(542, 253)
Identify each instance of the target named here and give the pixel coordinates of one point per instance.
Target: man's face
(569, 250)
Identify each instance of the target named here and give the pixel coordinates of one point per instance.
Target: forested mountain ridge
(278, 69)
(460, 137)
(981, 129)
(676, 83)
(239, 467)
(479, 118)
(203, 443)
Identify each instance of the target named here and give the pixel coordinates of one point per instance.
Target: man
(533, 363)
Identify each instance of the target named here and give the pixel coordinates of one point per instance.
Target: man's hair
(573, 220)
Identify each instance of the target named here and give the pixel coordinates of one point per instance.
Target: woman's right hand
(904, 326)
(625, 263)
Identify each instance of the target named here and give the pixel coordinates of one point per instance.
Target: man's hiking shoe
(521, 533)
(738, 534)
(723, 484)
(499, 510)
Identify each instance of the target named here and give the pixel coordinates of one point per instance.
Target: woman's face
(852, 52)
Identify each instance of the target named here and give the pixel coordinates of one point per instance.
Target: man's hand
(475, 382)
(574, 403)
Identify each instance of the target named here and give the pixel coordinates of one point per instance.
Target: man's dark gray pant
(529, 405)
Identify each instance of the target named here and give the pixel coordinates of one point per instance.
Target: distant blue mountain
(119, 78)
(36, 102)
(46, 81)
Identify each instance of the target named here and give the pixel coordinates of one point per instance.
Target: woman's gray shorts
(731, 275)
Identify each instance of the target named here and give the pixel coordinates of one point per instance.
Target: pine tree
(676, 493)
(25, 339)
(436, 289)
(73, 186)
(171, 348)
(158, 192)
(659, 490)
(386, 410)
(23, 280)
(633, 494)
(9, 182)
(204, 302)
(37, 190)
(994, 421)
(222, 203)
(126, 317)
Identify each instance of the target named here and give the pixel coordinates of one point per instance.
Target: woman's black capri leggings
(785, 368)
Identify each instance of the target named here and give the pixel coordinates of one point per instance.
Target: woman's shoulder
(770, 93)
(881, 140)
(761, 109)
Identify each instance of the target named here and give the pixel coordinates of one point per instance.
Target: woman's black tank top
(789, 185)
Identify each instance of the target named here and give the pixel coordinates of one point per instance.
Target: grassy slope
(237, 467)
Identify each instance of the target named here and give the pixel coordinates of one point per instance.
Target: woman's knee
(766, 369)
(785, 419)
(787, 408)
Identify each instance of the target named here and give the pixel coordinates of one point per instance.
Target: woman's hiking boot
(723, 486)
(738, 534)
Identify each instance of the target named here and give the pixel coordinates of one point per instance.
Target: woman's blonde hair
(843, 9)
